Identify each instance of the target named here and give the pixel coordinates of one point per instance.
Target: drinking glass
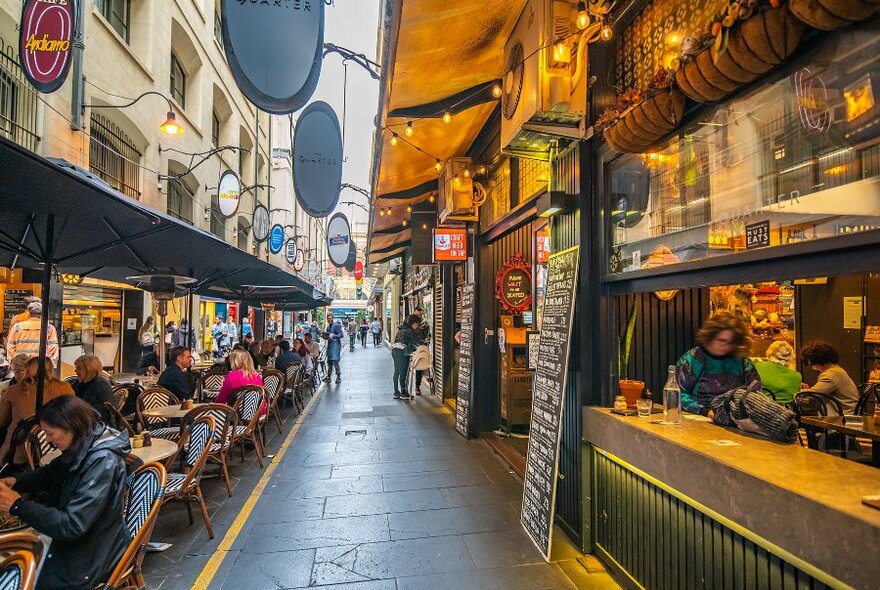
(643, 406)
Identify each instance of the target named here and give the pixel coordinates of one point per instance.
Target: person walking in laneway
(364, 328)
(404, 344)
(219, 338)
(334, 336)
(232, 331)
(352, 333)
(246, 329)
(424, 333)
(376, 331)
(147, 336)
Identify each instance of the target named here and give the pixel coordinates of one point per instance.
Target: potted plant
(631, 390)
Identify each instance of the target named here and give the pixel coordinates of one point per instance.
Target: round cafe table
(173, 411)
(160, 450)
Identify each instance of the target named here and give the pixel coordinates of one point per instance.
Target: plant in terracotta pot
(631, 390)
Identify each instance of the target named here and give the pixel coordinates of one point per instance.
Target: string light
(447, 117)
(606, 33)
(424, 226)
(467, 172)
(405, 223)
(408, 209)
(381, 212)
(437, 165)
(431, 198)
(409, 129)
(583, 19)
(496, 90)
(394, 139)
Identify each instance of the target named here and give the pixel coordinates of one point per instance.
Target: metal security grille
(114, 157)
(18, 102)
(438, 332)
(664, 542)
(180, 200)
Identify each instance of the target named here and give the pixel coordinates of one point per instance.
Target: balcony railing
(19, 102)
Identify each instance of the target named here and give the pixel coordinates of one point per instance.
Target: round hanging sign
(274, 50)
(513, 285)
(299, 262)
(291, 251)
(358, 270)
(45, 41)
(276, 239)
(317, 159)
(228, 193)
(261, 223)
(339, 240)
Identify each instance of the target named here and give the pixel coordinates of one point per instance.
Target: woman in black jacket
(91, 387)
(405, 343)
(86, 487)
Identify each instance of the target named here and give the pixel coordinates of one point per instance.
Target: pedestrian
(364, 328)
(246, 329)
(351, 329)
(181, 338)
(271, 328)
(376, 330)
(314, 330)
(334, 336)
(25, 335)
(404, 345)
(170, 329)
(23, 315)
(147, 336)
(219, 338)
(232, 331)
(424, 334)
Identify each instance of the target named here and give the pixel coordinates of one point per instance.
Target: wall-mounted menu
(465, 361)
(548, 397)
(14, 303)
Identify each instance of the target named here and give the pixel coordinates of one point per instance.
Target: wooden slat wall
(438, 333)
(665, 543)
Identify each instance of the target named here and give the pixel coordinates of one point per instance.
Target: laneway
(377, 494)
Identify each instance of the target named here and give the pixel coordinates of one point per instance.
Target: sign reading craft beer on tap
(45, 41)
(450, 244)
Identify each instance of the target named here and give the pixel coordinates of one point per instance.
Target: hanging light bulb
(405, 223)
(409, 129)
(408, 209)
(381, 212)
(424, 226)
(393, 139)
(583, 19)
(437, 165)
(467, 172)
(447, 117)
(388, 212)
(496, 90)
(606, 32)
(431, 198)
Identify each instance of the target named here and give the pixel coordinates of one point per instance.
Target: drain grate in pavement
(353, 432)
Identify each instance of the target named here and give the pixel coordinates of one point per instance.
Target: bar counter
(674, 509)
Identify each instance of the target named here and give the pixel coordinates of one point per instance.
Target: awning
(438, 55)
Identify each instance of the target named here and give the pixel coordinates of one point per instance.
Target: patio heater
(163, 288)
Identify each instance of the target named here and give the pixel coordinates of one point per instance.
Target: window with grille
(118, 14)
(243, 237)
(218, 222)
(114, 157)
(178, 81)
(18, 102)
(180, 200)
(215, 129)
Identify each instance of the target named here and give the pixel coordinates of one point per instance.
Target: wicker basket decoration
(828, 15)
(641, 118)
(746, 41)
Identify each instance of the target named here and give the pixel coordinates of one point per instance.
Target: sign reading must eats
(548, 399)
(45, 41)
(513, 285)
(465, 361)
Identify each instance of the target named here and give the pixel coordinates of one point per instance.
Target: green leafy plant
(626, 344)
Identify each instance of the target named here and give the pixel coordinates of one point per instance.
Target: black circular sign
(317, 159)
(291, 251)
(261, 224)
(351, 261)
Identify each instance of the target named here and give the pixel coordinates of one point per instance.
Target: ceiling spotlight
(393, 139)
(409, 129)
(583, 19)
(447, 117)
(606, 33)
(437, 165)
(496, 90)
(424, 226)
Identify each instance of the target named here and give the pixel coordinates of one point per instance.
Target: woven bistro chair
(225, 420)
(811, 403)
(273, 383)
(133, 391)
(37, 446)
(248, 400)
(145, 487)
(21, 552)
(195, 445)
(292, 376)
(869, 399)
(120, 396)
(118, 421)
(157, 397)
(210, 383)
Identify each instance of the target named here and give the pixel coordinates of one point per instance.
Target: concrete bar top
(805, 502)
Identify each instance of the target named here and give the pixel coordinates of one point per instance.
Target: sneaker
(326, 379)
(405, 396)
(396, 395)
(418, 391)
(338, 380)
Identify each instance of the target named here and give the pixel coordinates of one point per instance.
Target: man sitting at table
(174, 377)
(287, 357)
(149, 363)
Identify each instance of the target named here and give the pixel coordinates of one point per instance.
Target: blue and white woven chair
(145, 488)
(248, 401)
(225, 420)
(210, 383)
(20, 551)
(195, 445)
(273, 383)
(37, 446)
(292, 376)
(157, 397)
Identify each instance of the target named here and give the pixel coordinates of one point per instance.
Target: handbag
(752, 411)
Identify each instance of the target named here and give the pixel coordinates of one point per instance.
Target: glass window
(215, 129)
(794, 160)
(218, 29)
(218, 222)
(178, 81)
(118, 14)
(180, 200)
(113, 156)
(242, 237)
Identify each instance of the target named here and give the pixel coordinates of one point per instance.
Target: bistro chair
(225, 419)
(273, 383)
(19, 437)
(118, 421)
(248, 401)
(157, 397)
(195, 443)
(120, 396)
(21, 552)
(291, 377)
(37, 446)
(210, 383)
(869, 399)
(71, 379)
(145, 487)
(811, 403)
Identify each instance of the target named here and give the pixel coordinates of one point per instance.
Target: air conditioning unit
(394, 267)
(544, 90)
(455, 198)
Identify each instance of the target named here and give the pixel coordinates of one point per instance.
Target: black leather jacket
(84, 514)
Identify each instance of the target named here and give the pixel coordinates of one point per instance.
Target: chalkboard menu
(14, 303)
(465, 361)
(548, 396)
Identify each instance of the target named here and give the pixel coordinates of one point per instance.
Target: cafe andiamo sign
(45, 40)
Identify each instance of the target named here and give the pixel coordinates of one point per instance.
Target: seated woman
(242, 373)
(300, 348)
(90, 386)
(86, 489)
(720, 362)
(833, 379)
(782, 383)
(19, 402)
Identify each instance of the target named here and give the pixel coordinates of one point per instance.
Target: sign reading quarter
(317, 159)
(45, 41)
(276, 239)
(338, 239)
(261, 224)
(291, 251)
(228, 193)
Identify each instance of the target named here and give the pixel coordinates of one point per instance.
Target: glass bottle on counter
(671, 399)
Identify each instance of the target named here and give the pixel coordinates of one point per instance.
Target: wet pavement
(369, 493)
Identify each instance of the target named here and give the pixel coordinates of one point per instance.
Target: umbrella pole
(44, 318)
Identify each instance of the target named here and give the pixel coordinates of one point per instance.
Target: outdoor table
(159, 450)
(869, 428)
(173, 411)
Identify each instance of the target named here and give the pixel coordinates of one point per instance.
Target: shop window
(178, 81)
(533, 178)
(118, 14)
(215, 129)
(794, 160)
(113, 156)
(218, 29)
(180, 200)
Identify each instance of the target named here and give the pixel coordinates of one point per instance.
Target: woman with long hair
(91, 386)
(86, 487)
(300, 348)
(147, 336)
(242, 373)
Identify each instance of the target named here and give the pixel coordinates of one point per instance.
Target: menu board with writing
(465, 361)
(14, 303)
(548, 397)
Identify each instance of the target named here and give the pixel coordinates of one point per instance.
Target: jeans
(330, 370)
(377, 338)
(419, 379)
(363, 339)
(401, 366)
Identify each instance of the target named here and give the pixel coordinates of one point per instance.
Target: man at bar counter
(717, 364)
